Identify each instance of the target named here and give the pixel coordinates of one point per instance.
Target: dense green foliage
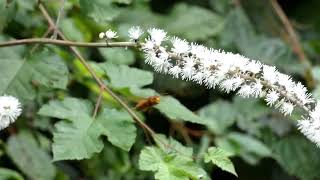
(201, 133)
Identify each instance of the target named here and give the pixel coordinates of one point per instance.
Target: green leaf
(101, 11)
(168, 165)
(186, 20)
(298, 156)
(122, 76)
(174, 110)
(8, 174)
(75, 140)
(26, 154)
(118, 127)
(187, 17)
(218, 116)
(118, 55)
(84, 132)
(238, 30)
(220, 158)
(247, 147)
(17, 75)
(143, 17)
(70, 108)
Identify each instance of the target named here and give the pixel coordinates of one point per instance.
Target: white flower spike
(232, 72)
(10, 110)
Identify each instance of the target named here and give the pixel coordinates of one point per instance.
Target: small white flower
(256, 89)
(150, 57)
(198, 77)
(272, 97)
(214, 79)
(179, 46)
(198, 50)
(301, 92)
(164, 55)
(231, 84)
(270, 73)
(210, 81)
(286, 81)
(188, 69)
(254, 66)
(135, 32)
(286, 108)
(157, 35)
(161, 65)
(227, 85)
(175, 71)
(111, 34)
(101, 35)
(148, 45)
(237, 82)
(245, 91)
(10, 110)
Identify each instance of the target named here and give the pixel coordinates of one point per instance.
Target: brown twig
(294, 39)
(65, 43)
(296, 46)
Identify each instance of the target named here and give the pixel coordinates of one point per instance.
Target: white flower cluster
(230, 72)
(10, 110)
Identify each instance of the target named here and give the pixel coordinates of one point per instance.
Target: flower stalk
(233, 72)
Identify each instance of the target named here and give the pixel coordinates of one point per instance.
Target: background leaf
(117, 55)
(306, 157)
(247, 147)
(101, 11)
(17, 74)
(174, 110)
(122, 76)
(27, 155)
(169, 166)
